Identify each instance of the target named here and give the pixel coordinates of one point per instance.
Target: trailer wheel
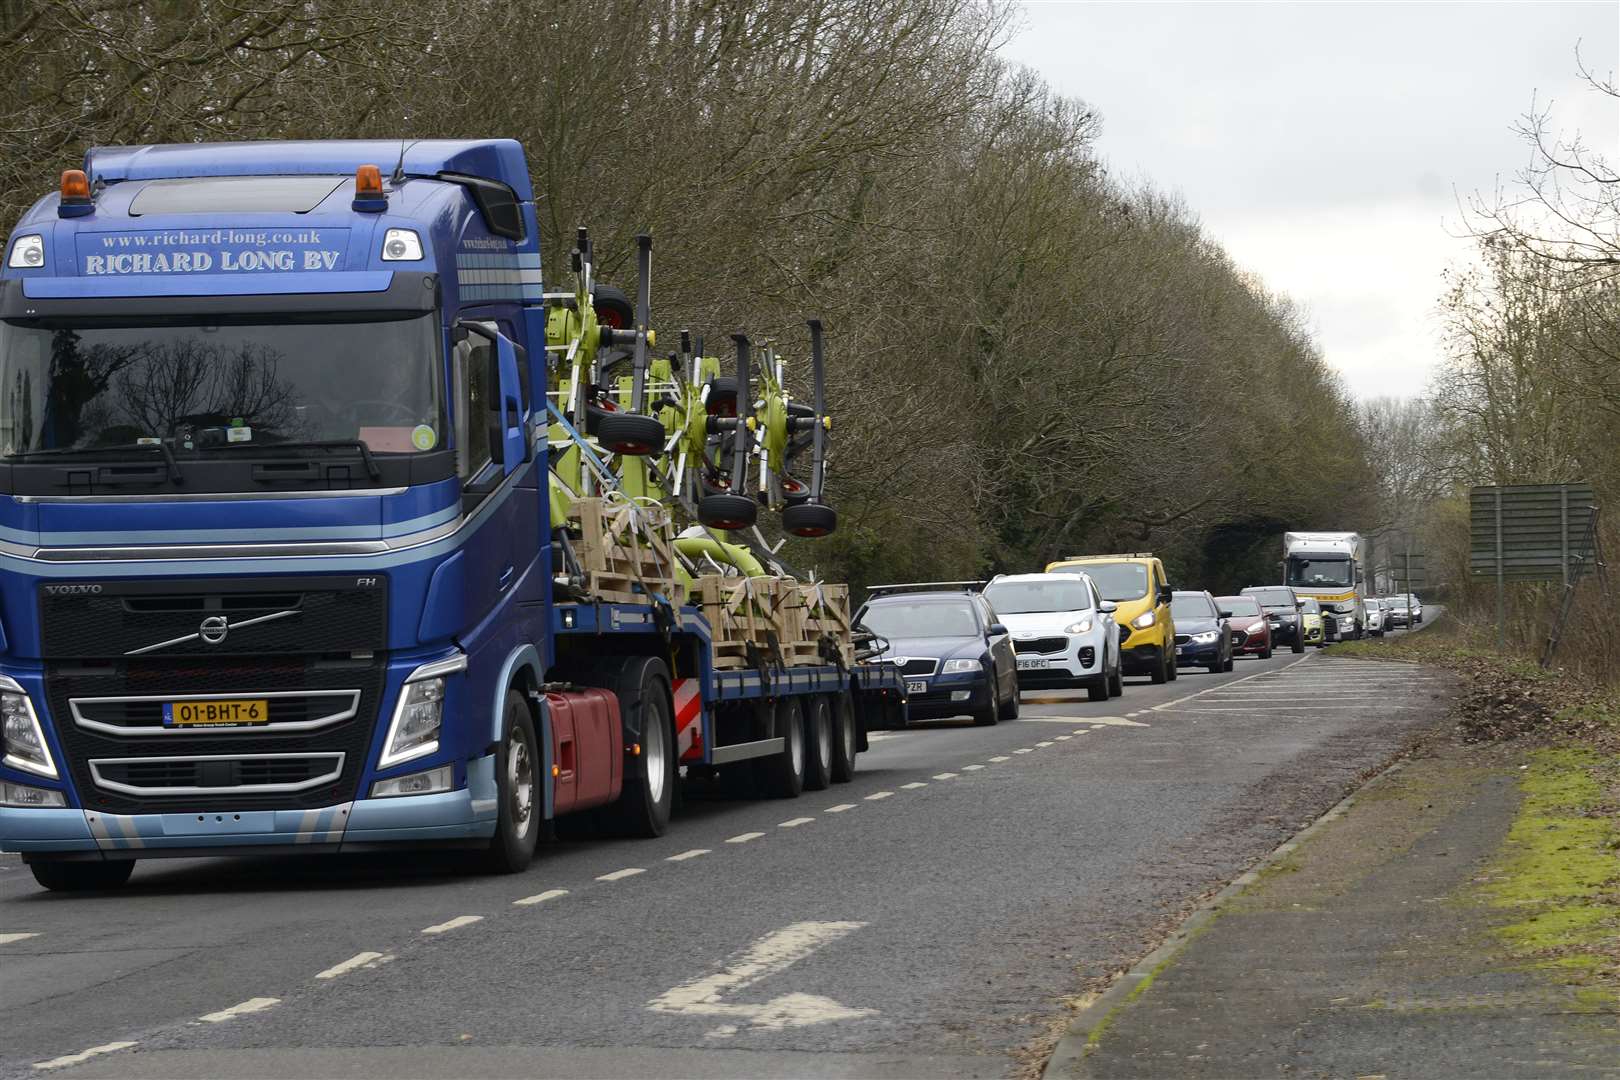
(62, 876)
(518, 794)
(630, 433)
(845, 738)
(648, 797)
(818, 743)
(782, 774)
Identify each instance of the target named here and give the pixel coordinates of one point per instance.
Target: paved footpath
(931, 918)
(1363, 953)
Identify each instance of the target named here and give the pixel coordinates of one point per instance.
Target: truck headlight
(24, 740)
(32, 797)
(419, 714)
(1144, 620)
(1081, 627)
(27, 253)
(955, 667)
(431, 782)
(401, 245)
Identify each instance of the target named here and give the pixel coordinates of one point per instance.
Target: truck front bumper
(465, 815)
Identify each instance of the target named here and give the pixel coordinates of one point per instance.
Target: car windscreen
(926, 618)
(198, 388)
(1239, 605)
(1280, 599)
(1028, 597)
(1191, 606)
(1114, 580)
(1331, 571)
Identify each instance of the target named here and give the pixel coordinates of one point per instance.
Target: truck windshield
(1028, 597)
(1114, 580)
(197, 387)
(1316, 572)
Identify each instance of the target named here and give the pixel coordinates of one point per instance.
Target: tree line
(1029, 356)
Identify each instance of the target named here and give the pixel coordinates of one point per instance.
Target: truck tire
(782, 774)
(518, 794)
(818, 743)
(845, 738)
(64, 876)
(648, 796)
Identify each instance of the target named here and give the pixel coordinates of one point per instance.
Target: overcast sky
(1323, 144)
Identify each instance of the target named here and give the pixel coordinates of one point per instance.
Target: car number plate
(916, 686)
(238, 712)
(1027, 662)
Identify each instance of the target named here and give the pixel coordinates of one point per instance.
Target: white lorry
(1331, 567)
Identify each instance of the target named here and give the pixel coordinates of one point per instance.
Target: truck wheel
(81, 876)
(648, 796)
(1161, 669)
(782, 774)
(844, 738)
(630, 433)
(517, 791)
(818, 743)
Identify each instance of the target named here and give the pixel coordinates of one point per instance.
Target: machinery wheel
(517, 785)
(809, 519)
(818, 743)
(613, 307)
(641, 684)
(722, 399)
(630, 433)
(782, 774)
(726, 511)
(845, 738)
(81, 876)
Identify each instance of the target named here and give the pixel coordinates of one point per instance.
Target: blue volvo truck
(276, 569)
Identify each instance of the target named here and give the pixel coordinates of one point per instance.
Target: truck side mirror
(508, 442)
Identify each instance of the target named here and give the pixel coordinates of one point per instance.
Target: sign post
(1532, 532)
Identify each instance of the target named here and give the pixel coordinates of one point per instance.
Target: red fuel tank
(587, 748)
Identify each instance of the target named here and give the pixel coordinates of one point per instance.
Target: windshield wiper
(314, 444)
(169, 461)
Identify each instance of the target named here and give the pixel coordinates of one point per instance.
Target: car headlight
(1255, 627)
(419, 714)
(1206, 637)
(23, 739)
(954, 667)
(1081, 627)
(1144, 620)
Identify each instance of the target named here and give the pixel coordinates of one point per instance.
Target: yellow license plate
(238, 712)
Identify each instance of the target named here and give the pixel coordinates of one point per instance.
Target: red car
(1251, 633)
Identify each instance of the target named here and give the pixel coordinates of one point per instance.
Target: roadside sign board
(1532, 532)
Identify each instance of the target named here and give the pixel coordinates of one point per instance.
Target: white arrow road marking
(251, 1005)
(7, 939)
(83, 1055)
(770, 955)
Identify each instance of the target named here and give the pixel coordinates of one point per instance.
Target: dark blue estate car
(955, 655)
(1203, 634)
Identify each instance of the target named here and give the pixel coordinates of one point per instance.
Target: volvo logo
(213, 630)
(72, 590)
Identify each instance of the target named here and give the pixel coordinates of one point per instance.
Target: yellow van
(1137, 583)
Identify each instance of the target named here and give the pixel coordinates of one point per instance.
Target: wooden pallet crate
(823, 615)
(744, 615)
(626, 550)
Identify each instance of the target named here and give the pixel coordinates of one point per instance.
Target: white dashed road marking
(629, 871)
(876, 795)
(840, 808)
(913, 786)
(251, 1005)
(794, 823)
(1043, 745)
(1025, 750)
(945, 776)
(7, 939)
(82, 1056)
(971, 768)
(1064, 738)
(542, 897)
(454, 924)
(743, 838)
(1002, 758)
(358, 960)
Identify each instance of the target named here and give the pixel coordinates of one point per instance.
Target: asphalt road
(927, 919)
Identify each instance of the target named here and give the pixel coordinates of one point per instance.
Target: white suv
(1062, 630)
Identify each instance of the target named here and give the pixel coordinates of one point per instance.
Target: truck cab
(1330, 568)
(270, 521)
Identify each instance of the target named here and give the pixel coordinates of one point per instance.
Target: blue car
(956, 656)
(1203, 631)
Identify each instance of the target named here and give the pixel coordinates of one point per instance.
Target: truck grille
(233, 761)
